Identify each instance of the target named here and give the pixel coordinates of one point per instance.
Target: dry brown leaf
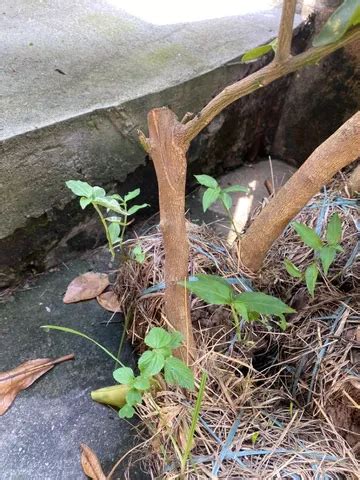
(85, 287)
(90, 463)
(21, 377)
(109, 301)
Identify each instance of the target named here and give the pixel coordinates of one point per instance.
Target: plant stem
(231, 218)
(103, 221)
(123, 227)
(236, 322)
(194, 421)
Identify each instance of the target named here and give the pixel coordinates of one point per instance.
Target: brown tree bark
(167, 148)
(339, 150)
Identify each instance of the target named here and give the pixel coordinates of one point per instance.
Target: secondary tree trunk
(339, 150)
(167, 148)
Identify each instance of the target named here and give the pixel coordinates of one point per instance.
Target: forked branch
(261, 78)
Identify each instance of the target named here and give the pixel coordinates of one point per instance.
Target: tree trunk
(339, 150)
(167, 148)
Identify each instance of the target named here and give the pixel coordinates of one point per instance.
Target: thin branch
(285, 31)
(259, 79)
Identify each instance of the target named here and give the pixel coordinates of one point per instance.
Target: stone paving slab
(41, 433)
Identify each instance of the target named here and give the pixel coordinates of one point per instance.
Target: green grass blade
(194, 421)
(75, 332)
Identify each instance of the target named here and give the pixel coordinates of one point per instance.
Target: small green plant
(114, 226)
(138, 254)
(325, 251)
(248, 305)
(214, 193)
(152, 362)
(158, 359)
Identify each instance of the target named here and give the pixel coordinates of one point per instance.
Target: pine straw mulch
(282, 405)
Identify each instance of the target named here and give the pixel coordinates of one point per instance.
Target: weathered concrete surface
(83, 124)
(41, 433)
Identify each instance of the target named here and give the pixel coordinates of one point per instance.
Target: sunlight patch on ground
(160, 12)
(242, 212)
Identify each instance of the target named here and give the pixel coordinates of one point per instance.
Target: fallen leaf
(90, 463)
(21, 377)
(85, 287)
(109, 301)
(114, 395)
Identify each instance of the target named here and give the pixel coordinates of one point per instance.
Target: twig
(285, 31)
(261, 78)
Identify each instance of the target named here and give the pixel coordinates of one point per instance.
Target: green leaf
(256, 53)
(141, 383)
(124, 375)
(126, 411)
(282, 323)
(261, 303)
(110, 204)
(79, 188)
(133, 397)
(344, 17)
(116, 196)
(84, 202)
(135, 208)
(236, 188)
(327, 256)
(210, 288)
(292, 269)
(157, 338)
(254, 437)
(151, 363)
(131, 195)
(176, 339)
(206, 181)
(114, 231)
(226, 199)
(242, 310)
(177, 373)
(308, 235)
(311, 274)
(138, 254)
(210, 196)
(333, 231)
(98, 192)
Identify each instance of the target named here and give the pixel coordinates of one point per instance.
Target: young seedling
(248, 305)
(138, 254)
(114, 226)
(214, 193)
(158, 359)
(324, 250)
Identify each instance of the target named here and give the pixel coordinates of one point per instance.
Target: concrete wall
(41, 225)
